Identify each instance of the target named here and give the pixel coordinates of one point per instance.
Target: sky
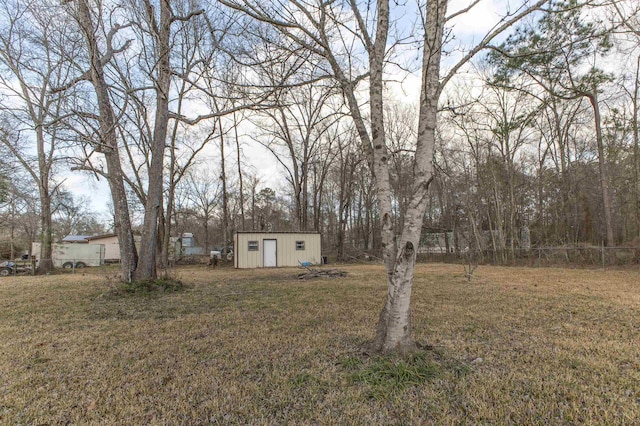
(98, 194)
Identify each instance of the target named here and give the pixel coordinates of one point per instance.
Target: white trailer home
(272, 249)
(73, 255)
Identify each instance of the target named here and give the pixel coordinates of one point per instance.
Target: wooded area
(391, 124)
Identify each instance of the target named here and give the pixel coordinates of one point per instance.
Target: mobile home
(73, 255)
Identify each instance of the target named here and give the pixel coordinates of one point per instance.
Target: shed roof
(76, 239)
(277, 232)
(97, 237)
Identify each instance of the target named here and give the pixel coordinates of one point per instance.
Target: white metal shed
(272, 249)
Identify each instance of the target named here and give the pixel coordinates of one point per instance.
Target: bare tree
(203, 194)
(343, 174)
(318, 27)
(182, 158)
(19, 209)
(141, 81)
(105, 141)
(199, 71)
(294, 132)
(159, 27)
(236, 124)
(72, 216)
(34, 43)
(193, 49)
(551, 52)
(626, 17)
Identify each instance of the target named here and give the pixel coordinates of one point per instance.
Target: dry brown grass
(234, 347)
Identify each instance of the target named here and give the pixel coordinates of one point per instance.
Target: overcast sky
(468, 28)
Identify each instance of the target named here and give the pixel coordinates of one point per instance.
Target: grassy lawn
(514, 346)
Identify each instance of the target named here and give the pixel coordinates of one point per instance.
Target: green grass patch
(387, 376)
(159, 285)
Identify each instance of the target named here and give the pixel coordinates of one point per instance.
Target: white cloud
(478, 21)
(82, 184)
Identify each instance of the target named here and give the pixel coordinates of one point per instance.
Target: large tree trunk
(45, 264)
(146, 269)
(108, 145)
(393, 332)
(46, 231)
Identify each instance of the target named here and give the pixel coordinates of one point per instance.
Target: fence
(600, 257)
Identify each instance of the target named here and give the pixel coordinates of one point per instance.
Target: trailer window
(299, 245)
(253, 246)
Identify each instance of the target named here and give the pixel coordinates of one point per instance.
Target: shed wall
(286, 254)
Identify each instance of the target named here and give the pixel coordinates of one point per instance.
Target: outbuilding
(274, 249)
(111, 246)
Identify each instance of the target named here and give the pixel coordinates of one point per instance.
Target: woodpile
(321, 273)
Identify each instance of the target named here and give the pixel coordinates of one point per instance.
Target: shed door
(269, 250)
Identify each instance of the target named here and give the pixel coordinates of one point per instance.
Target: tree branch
(489, 37)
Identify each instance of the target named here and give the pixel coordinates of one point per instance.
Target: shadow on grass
(141, 300)
(146, 287)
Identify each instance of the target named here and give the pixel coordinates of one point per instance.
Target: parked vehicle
(69, 256)
(7, 268)
(12, 268)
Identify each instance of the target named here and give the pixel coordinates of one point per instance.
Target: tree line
(528, 131)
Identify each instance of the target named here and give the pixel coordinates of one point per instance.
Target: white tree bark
(394, 325)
